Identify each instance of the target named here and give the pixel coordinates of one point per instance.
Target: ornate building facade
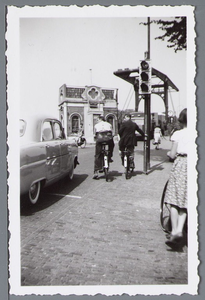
(80, 106)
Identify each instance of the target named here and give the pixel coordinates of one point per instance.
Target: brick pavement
(103, 233)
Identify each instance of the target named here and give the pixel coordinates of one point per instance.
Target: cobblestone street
(93, 232)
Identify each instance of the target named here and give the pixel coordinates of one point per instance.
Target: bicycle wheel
(126, 166)
(106, 166)
(106, 173)
(127, 174)
(165, 219)
(131, 164)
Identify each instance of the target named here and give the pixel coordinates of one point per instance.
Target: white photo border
(13, 70)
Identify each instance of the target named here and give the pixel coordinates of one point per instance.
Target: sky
(84, 51)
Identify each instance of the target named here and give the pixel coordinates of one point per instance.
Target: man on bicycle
(81, 138)
(128, 137)
(103, 133)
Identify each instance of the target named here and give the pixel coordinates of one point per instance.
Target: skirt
(157, 138)
(176, 193)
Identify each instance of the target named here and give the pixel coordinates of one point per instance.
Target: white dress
(157, 136)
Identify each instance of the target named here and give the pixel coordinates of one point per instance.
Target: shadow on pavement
(157, 167)
(62, 187)
(155, 155)
(179, 249)
(114, 174)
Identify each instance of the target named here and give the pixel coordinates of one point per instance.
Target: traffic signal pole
(148, 38)
(147, 132)
(147, 113)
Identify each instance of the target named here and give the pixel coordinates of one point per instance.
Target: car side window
(57, 131)
(47, 134)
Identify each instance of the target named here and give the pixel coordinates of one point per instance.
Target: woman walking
(157, 137)
(176, 193)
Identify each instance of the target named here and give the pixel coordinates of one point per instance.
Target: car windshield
(22, 127)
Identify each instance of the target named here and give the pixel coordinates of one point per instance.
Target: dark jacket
(127, 133)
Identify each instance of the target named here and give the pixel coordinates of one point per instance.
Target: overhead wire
(127, 98)
(130, 99)
(172, 102)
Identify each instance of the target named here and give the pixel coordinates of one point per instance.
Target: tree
(175, 32)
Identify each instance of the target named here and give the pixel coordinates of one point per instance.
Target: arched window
(75, 122)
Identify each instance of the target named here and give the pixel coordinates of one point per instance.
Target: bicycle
(128, 162)
(105, 156)
(81, 142)
(165, 219)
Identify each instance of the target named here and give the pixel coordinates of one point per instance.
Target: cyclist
(81, 138)
(128, 137)
(81, 130)
(102, 133)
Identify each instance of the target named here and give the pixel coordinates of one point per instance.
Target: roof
(126, 75)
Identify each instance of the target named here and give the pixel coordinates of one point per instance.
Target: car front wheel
(34, 192)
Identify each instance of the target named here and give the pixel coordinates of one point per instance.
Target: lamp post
(65, 117)
(117, 112)
(147, 111)
(90, 76)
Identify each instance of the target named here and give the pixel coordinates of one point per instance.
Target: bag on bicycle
(104, 136)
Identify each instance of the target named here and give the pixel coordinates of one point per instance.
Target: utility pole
(91, 81)
(147, 112)
(143, 86)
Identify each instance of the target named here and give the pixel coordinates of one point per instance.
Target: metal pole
(148, 37)
(91, 76)
(147, 112)
(166, 100)
(65, 117)
(147, 131)
(148, 104)
(116, 131)
(136, 89)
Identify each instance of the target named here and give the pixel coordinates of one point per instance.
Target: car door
(65, 148)
(52, 146)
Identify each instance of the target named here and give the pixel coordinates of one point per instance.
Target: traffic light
(145, 76)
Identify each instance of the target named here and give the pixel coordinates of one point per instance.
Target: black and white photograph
(102, 151)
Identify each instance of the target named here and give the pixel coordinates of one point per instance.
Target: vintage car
(45, 155)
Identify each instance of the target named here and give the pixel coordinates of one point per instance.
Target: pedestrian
(102, 133)
(81, 130)
(81, 138)
(128, 138)
(176, 193)
(157, 137)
